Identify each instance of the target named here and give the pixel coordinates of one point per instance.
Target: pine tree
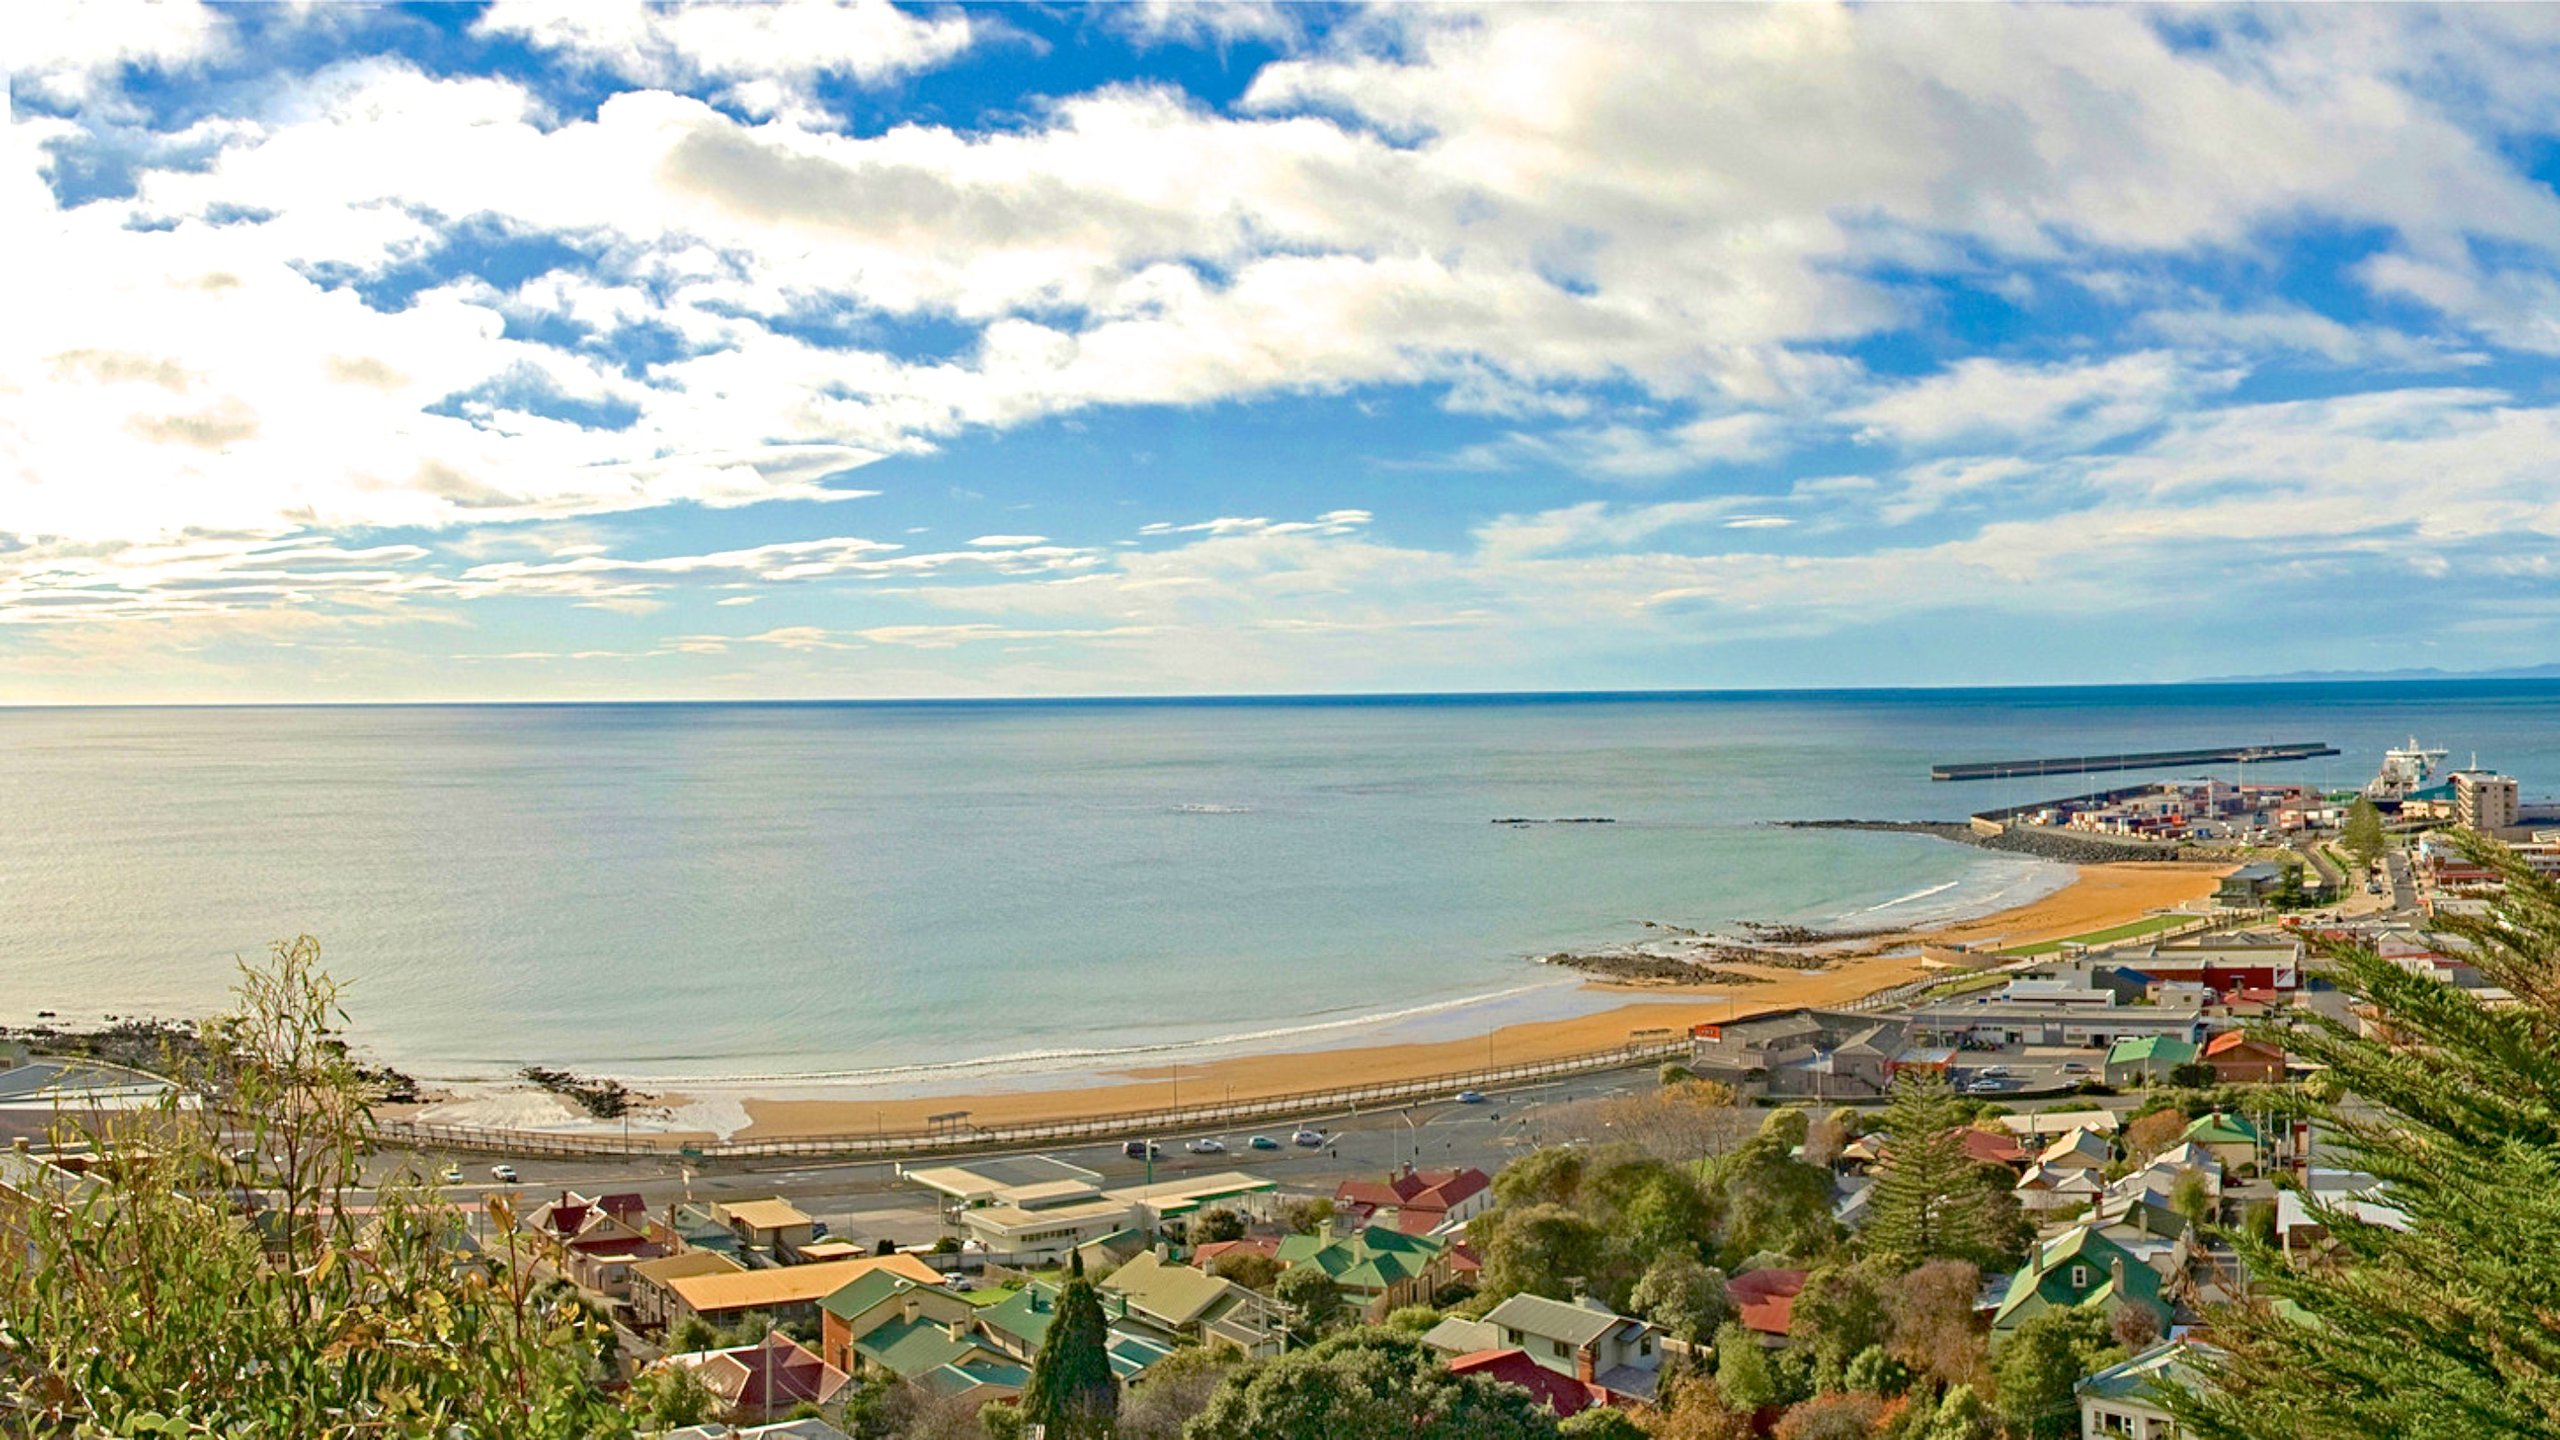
(1932, 1201)
(2362, 834)
(2443, 1330)
(1070, 1389)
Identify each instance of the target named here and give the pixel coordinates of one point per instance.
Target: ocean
(683, 891)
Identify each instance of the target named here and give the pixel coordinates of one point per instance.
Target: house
(863, 1322)
(784, 1294)
(1765, 1300)
(1021, 1321)
(2240, 1058)
(2303, 1230)
(2124, 1401)
(1378, 1268)
(2147, 1059)
(1583, 1339)
(651, 1301)
(593, 1243)
(1188, 1195)
(802, 1429)
(1736, 1048)
(757, 1382)
(2044, 1125)
(2078, 1267)
(773, 1227)
(2251, 885)
(1417, 1202)
(1176, 1302)
(2079, 1150)
(2229, 1138)
(1992, 1147)
(1558, 1392)
(2047, 1189)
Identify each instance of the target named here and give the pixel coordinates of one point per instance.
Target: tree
(1601, 1422)
(691, 1334)
(1413, 1319)
(148, 1299)
(1742, 1369)
(671, 1397)
(2443, 1329)
(1306, 1215)
(2362, 834)
(1249, 1268)
(1214, 1226)
(1960, 1416)
(1540, 1250)
(2039, 1364)
(2152, 1133)
(2190, 1197)
(1070, 1389)
(1177, 1389)
(2133, 1328)
(2194, 1075)
(1366, 1382)
(1840, 1311)
(1774, 1202)
(1850, 1416)
(1931, 1200)
(1687, 1299)
(1311, 1295)
(1876, 1372)
(1935, 1332)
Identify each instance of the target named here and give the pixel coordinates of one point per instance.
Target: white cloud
(767, 54)
(2057, 406)
(64, 49)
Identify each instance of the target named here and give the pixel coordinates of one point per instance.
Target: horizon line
(1307, 697)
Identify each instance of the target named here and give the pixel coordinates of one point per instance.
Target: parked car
(1470, 1097)
(2075, 1067)
(961, 1283)
(1141, 1149)
(1983, 1087)
(503, 1174)
(450, 1175)
(1206, 1146)
(1308, 1139)
(1263, 1142)
(1995, 1072)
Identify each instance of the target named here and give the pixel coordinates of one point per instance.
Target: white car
(1206, 1146)
(1307, 1139)
(503, 1174)
(450, 1175)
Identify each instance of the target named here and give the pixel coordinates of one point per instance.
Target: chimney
(2115, 1272)
(1582, 1364)
(958, 1330)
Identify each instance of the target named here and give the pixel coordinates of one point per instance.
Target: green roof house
(1380, 1267)
(2231, 1139)
(2078, 1267)
(2144, 1059)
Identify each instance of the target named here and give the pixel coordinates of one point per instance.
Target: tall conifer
(1070, 1388)
(1932, 1201)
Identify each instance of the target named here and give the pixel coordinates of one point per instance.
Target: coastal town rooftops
(789, 1284)
(1558, 1392)
(1372, 1259)
(1171, 1295)
(2222, 1128)
(2166, 1050)
(1050, 1192)
(1765, 1300)
(2061, 1122)
(1010, 1219)
(2145, 1377)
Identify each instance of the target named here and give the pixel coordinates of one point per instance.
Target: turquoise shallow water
(710, 890)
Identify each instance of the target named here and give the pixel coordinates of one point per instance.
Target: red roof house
(2239, 1058)
(1416, 1202)
(760, 1381)
(1559, 1392)
(1765, 1300)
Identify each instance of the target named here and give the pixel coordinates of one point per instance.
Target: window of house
(2079, 1277)
(1645, 1346)
(1562, 1349)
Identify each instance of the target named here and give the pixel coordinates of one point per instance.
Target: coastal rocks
(1560, 820)
(1638, 968)
(603, 1099)
(2069, 848)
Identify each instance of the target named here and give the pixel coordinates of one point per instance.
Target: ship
(2404, 769)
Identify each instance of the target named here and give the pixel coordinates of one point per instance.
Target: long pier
(2131, 760)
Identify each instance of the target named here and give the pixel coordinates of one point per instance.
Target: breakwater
(2129, 760)
(2042, 843)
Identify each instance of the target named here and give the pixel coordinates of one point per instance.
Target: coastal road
(866, 1199)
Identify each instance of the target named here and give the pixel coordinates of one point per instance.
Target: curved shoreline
(2097, 896)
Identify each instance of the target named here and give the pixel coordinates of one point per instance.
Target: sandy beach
(2099, 896)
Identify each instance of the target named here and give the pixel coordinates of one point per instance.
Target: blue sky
(531, 351)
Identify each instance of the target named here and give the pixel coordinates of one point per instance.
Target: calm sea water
(722, 890)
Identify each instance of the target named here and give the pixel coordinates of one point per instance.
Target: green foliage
(1305, 1215)
(1541, 1250)
(1070, 1390)
(691, 1334)
(1370, 1382)
(1248, 1268)
(1601, 1422)
(1931, 1200)
(670, 1397)
(1840, 1312)
(150, 1301)
(1960, 1416)
(1876, 1372)
(2040, 1362)
(2444, 1330)
(2193, 1075)
(1314, 1300)
(1176, 1390)
(1774, 1203)
(1413, 1319)
(2362, 833)
(1548, 1176)
(1743, 1379)
(2189, 1196)
(1213, 1226)
(1687, 1299)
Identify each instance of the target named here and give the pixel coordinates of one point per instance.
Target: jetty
(2130, 760)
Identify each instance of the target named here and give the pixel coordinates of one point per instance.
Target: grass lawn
(2147, 925)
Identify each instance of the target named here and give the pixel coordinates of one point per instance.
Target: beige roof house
(787, 1291)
